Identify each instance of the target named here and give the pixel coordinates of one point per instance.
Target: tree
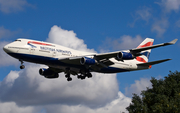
(163, 97)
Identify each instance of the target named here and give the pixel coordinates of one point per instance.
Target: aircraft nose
(5, 48)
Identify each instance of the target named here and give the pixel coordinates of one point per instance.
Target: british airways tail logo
(146, 45)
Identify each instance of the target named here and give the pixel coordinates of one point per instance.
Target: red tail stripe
(140, 59)
(145, 45)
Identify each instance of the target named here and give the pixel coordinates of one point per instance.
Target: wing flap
(104, 62)
(71, 60)
(106, 55)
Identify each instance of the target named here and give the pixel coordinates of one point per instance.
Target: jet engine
(47, 73)
(124, 56)
(87, 61)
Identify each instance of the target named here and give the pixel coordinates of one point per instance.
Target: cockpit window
(18, 40)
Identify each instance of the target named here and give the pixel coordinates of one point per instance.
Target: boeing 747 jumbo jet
(62, 59)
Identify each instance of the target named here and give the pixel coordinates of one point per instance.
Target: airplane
(73, 62)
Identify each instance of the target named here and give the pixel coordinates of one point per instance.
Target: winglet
(173, 41)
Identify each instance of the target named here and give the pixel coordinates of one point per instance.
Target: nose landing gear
(22, 66)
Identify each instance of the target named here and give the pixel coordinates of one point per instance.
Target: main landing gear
(68, 74)
(22, 66)
(68, 77)
(81, 76)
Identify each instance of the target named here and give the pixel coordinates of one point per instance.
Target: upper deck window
(18, 40)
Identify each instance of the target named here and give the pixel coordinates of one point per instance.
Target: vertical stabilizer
(145, 54)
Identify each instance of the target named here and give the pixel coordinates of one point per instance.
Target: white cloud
(10, 79)
(160, 23)
(5, 33)
(160, 26)
(138, 86)
(167, 6)
(67, 38)
(170, 5)
(29, 89)
(144, 14)
(122, 43)
(115, 106)
(9, 6)
(11, 107)
(95, 92)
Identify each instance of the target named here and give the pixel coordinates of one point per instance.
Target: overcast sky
(93, 26)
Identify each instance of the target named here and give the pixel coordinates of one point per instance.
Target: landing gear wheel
(78, 76)
(67, 76)
(22, 67)
(69, 79)
(83, 77)
(89, 75)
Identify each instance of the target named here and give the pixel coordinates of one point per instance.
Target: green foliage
(163, 97)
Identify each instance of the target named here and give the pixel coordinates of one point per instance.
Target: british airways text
(55, 50)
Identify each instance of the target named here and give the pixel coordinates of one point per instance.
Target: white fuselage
(51, 55)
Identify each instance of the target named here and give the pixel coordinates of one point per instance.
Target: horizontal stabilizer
(153, 62)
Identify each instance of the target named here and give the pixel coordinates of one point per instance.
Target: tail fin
(145, 54)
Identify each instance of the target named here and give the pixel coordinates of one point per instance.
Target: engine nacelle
(47, 73)
(87, 61)
(124, 56)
